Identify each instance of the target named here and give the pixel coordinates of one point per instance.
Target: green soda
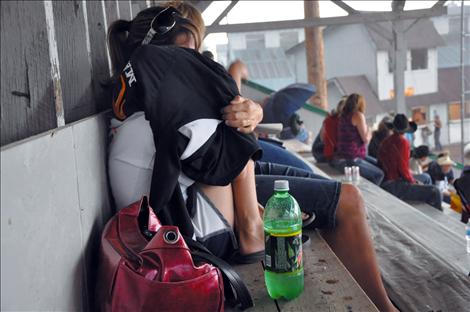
(283, 265)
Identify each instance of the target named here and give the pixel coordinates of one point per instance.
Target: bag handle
(236, 291)
(131, 255)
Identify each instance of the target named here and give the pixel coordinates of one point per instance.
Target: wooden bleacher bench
(328, 285)
(421, 253)
(422, 256)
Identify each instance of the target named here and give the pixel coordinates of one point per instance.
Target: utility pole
(315, 60)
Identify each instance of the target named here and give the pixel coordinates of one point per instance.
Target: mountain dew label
(283, 252)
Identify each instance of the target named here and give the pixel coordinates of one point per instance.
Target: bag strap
(236, 291)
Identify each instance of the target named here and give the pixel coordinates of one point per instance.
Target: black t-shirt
(175, 86)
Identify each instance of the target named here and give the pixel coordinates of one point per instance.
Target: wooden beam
(439, 4)
(362, 18)
(224, 13)
(399, 68)
(381, 31)
(314, 54)
(345, 7)
(398, 5)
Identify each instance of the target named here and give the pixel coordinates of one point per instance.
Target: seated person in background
(383, 131)
(272, 152)
(442, 174)
(393, 158)
(441, 168)
(352, 137)
(339, 209)
(418, 162)
(324, 146)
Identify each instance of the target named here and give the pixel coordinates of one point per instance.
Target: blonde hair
(126, 36)
(354, 103)
(189, 12)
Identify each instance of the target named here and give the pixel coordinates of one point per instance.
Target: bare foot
(251, 236)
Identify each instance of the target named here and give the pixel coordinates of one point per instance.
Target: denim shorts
(314, 193)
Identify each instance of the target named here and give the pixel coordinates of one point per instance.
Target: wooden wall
(54, 62)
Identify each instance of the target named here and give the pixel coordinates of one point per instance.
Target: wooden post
(400, 67)
(314, 50)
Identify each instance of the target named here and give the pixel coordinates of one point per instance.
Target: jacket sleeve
(404, 167)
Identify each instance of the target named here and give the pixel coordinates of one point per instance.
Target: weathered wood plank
(27, 101)
(423, 261)
(448, 219)
(416, 276)
(328, 285)
(124, 9)
(111, 11)
(138, 5)
(75, 69)
(100, 63)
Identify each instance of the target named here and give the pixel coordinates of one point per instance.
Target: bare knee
(351, 203)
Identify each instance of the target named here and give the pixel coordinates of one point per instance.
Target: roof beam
(362, 18)
(398, 5)
(439, 4)
(224, 12)
(345, 7)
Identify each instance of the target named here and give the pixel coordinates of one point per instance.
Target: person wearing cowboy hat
(441, 168)
(442, 174)
(393, 158)
(419, 162)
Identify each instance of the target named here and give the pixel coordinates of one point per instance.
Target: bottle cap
(281, 185)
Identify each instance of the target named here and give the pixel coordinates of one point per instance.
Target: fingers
(243, 114)
(242, 125)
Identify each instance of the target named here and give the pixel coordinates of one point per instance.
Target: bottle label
(283, 253)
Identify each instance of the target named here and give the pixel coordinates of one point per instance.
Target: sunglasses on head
(161, 24)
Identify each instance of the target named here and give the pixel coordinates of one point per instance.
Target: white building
(358, 58)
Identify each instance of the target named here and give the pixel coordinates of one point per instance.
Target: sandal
(238, 258)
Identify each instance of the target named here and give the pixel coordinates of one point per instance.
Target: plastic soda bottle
(283, 265)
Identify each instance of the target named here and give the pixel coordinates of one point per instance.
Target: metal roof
(421, 34)
(267, 63)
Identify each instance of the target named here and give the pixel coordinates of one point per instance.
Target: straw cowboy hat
(445, 160)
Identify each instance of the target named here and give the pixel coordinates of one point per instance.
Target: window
(454, 111)
(454, 25)
(419, 59)
(255, 41)
(390, 63)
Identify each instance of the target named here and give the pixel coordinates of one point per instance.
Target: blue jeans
(424, 178)
(314, 193)
(275, 153)
(414, 192)
(367, 170)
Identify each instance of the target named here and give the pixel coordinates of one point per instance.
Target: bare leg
(248, 221)
(351, 241)
(222, 198)
(238, 204)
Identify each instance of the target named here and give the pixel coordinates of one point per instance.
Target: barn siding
(27, 101)
(75, 69)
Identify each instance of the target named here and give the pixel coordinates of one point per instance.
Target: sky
(262, 11)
